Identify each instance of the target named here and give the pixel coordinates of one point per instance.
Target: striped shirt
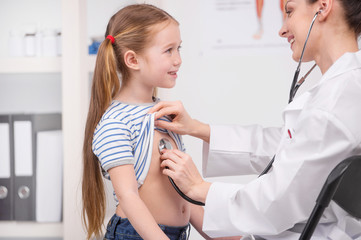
(124, 135)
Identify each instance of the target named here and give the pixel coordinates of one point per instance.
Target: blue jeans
(121, 229)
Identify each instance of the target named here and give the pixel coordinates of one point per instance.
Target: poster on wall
(242, 27)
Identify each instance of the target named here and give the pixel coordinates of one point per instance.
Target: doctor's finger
(169, 164)
(163, 108)
(158, 106)
(170, 155)
(168, 172)
(167, 125)
(186, 158)
(180, 154)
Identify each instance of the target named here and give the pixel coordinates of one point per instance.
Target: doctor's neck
(333, 48)
(337, 31)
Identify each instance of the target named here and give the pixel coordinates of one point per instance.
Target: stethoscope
(296, 84)
(165, 144)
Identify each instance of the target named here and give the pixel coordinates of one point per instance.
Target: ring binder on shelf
(24, 182)
(49, 176)
(20, 135)
(6, 181)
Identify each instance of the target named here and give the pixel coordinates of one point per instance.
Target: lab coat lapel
(292, 111)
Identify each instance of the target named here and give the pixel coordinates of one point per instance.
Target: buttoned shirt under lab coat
(321, 128)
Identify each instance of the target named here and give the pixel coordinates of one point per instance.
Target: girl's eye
(169, 50)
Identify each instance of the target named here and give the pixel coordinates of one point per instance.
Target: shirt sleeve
(235, 150)
(276, 201)
(112, 144)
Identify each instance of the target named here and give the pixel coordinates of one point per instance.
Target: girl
(321, 128)
(142, 45)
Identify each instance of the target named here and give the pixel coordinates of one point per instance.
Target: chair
(342, 186)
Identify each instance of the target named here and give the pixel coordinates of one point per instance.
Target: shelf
(30, 229)
(30, 64)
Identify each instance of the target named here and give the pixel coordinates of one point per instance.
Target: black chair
(342, 186)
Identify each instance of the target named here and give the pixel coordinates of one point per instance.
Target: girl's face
(160, 61)
(295, 28)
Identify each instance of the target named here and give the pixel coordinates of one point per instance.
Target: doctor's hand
(181, 123)
(184, 173)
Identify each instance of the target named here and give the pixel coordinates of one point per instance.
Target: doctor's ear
(324, 10)
(131, 60)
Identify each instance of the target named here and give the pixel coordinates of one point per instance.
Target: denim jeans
(121, 229)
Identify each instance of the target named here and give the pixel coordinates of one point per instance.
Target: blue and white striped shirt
(124, 135)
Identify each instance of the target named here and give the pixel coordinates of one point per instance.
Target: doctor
(321, 127)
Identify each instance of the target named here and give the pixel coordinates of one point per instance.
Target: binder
(6, 166)
(49, 174)
(25, 129)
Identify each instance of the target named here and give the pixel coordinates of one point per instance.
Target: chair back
(342, 185)
(348, 193)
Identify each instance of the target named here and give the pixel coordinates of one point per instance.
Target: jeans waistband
(182, 230)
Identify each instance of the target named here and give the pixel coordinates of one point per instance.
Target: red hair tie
(111, 38)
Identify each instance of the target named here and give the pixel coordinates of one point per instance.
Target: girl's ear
(131, 60)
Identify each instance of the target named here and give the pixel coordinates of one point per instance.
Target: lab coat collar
(345, 63)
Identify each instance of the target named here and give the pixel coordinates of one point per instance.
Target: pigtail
(105, 86)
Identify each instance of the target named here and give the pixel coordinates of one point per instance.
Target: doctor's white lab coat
(321, 128)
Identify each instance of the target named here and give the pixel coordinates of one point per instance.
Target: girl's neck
(129, 93)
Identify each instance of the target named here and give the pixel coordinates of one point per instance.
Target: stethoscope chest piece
(164, 144)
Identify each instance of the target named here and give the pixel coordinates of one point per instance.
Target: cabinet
(37, 80)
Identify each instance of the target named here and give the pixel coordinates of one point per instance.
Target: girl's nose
(177, 59)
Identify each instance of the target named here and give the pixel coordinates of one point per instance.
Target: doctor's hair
(131, 28)
(352, 13)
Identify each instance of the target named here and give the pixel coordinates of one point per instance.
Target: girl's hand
(185, 174)
(181, 123)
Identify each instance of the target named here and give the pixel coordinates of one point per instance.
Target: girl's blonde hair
(131, 28)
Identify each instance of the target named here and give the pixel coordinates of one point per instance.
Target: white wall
(30, 93)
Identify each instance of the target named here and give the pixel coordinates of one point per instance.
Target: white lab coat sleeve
(276, 201)
(236, 150)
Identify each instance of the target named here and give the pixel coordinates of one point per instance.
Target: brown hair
(352, 13)
(131, 28)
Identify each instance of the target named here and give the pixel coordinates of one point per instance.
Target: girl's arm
(196, 220)
(126, 189)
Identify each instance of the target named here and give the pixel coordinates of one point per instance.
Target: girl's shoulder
(128, 114)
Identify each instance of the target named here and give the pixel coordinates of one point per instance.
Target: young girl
(142, 46)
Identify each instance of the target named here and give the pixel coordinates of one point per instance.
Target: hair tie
(111, 38)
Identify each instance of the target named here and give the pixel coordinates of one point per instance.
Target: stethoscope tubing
(293, 88)
(295, 84)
